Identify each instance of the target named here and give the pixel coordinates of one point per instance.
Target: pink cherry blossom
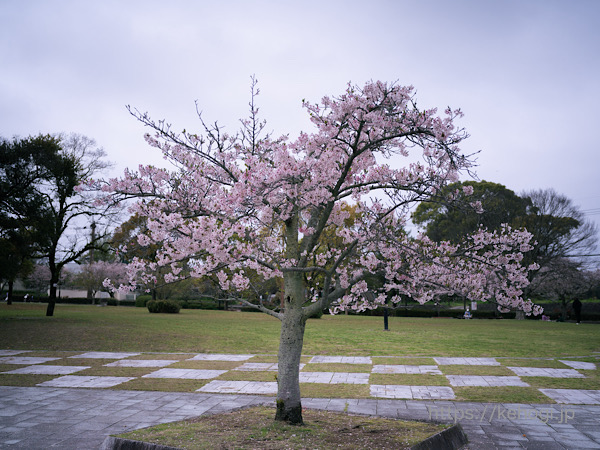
(239, 205)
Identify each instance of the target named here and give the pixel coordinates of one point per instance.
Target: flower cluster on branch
(238, 206)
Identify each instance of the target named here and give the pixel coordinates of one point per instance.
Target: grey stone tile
(349, 378)
(141, 363)
(219, 357)
(467, 361)
(192, 374)
(341, 360)
(573, 396)
(543, 445)
(48, 370)
(240, 387)
(105, 355)
(12, 352)
(85, 382)
(579, 364)
(411, 392)
(261, 367)
(484, 380)
(545, 372)
(390, 368)
(25, 360)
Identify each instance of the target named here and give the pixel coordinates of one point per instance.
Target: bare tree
(562, 279)
(560, 226)
(564, 236)
(70, 209)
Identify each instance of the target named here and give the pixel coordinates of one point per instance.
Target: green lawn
(86, 327)
(410, 341)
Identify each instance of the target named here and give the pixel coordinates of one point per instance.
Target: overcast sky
(525, 73)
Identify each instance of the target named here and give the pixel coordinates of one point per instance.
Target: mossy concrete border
(452, 438)
(449, 439)
(115, 443)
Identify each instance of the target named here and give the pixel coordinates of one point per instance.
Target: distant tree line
(564, 238)
(48, 219)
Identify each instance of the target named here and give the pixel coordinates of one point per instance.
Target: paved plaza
(65, 377)
(73, 410)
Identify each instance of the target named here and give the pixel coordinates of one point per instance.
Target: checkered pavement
(158, 369)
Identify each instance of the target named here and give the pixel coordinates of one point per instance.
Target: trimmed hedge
(115, 302)
(163, 306)
(83, 301)
(200, 304)
(142, 300)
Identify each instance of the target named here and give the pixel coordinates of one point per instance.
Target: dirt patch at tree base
(255, 428)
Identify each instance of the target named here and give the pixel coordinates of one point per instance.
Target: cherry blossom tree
(92, 276)
(235, 203)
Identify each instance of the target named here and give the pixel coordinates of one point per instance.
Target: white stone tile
(48, 370)
(350, 378)
(341, 360)
(141, 363)
(12, 352)
(467, 361)
(316, 377)
(546, 372)
(573, 396)
(192, 374)
(485, 380)
(257, 367)
(224, 387)
(412, 392)
(579, 365)
(260, 387)
(105, 355)
(261, 367)
(85, 382)
(406, 369)
(390, 391)
(334, 377)
(432, 392)
(240, 387)
(219, 357)
(25, 360)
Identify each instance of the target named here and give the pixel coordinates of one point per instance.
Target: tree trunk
(10, 293)
(51, 300)
(293, 322)
(54, 277)
(289, 406)
(563, 307)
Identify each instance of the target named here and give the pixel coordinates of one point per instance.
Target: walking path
(58, 413)
(78, 419)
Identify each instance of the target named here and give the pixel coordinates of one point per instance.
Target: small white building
(80, 293)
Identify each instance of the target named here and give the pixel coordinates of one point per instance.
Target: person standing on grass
(577, 309)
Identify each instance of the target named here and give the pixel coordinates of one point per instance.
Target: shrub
(163, 306)
(141, 300)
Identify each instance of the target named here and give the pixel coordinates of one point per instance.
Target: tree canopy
(235, 205)
(560, 230)
(473, 205)
(24, 166)
(44, 197)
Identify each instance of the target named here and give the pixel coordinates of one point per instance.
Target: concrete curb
(115, 443)
(450, 439)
